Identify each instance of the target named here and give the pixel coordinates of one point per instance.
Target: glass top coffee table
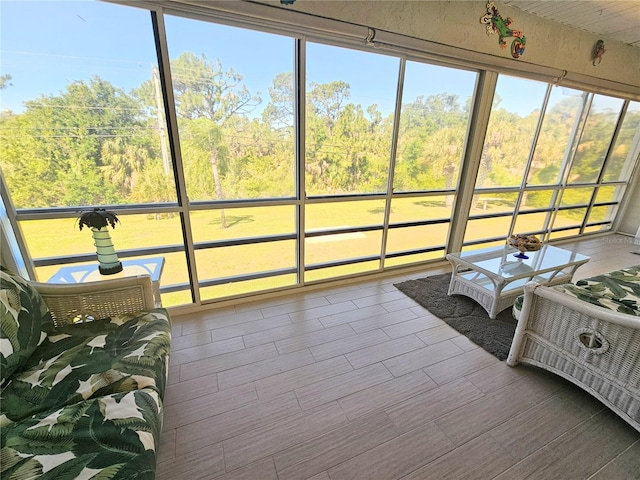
(494, 277)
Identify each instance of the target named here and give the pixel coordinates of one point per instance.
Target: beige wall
(457, 23)
(631, 219)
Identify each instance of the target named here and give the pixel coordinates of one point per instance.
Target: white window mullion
(176, 153)
(392, 160)
(477, 130)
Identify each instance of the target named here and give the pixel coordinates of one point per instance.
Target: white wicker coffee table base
(493, 301)
(492, 278)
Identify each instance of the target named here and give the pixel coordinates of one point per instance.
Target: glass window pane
(415, 238)
(562, 113)
(415, 258)
(349, 117)
(595, 139)
(81, 107)
(132, 232)
(572, 232)
(485, 228)
(341, 271)
(569, 217)
(216, 263)
(415, 209)
(433, 123)
(206, 225)
(246, 287)
(342, 246)
(319, 216)
(536, 199)
(478, 246)
(609, 194)
(621, 161)
(576, 196)
(604, 213)
(233, 89)
(404, 239)
(514, 118)
(491, 203)
(530, 222)
(598, 228)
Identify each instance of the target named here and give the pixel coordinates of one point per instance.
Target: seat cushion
(24, 323)
(621, 286)
(113, 437)
(82, 361)
(618, 290)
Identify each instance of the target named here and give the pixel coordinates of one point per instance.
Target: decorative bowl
(524, 243)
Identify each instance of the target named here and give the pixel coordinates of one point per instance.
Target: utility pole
(162, 124)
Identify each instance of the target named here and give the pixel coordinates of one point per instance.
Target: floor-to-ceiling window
(544, 163)
(234, 99)
(350, 107)
(254, 159)
(82, 125)
(434, 119)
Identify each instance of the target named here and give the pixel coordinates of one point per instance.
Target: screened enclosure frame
(462, 196)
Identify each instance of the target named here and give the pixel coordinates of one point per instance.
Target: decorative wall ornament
(598, 51)
(496, 24)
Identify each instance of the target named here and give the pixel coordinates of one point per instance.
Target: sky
(45, 45)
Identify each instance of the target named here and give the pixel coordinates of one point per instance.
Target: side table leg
(497, 291)
(454, 274)
(156, 294)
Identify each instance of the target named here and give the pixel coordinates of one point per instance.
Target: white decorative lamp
(97, 220)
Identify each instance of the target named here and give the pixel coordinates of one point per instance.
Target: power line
(78, 107)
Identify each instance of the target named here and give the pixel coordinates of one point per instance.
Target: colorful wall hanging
(496, 24)
(598, 51)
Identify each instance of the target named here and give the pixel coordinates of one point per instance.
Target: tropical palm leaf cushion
(24, 322)
(83, 361)
(618, 291)
(112, 437)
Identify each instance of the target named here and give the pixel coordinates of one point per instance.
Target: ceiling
(613, 19)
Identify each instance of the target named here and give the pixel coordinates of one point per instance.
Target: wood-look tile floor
(359, 382)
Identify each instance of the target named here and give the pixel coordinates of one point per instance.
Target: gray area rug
(462, 313)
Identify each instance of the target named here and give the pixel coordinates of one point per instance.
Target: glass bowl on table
(524, 243)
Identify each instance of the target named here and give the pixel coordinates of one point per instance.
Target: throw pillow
(24, 322)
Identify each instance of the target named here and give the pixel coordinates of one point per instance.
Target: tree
(60, 139)
(279, 111)
(123, 162)
(204, 135)
(432, 132)
(5, 81)
(203, 91)
(327, 100)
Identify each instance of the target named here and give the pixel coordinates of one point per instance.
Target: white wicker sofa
(83, 370)
(588, 333)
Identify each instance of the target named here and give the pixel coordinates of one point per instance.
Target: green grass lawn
(60, 237)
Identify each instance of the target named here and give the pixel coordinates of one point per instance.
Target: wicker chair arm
(600, 313)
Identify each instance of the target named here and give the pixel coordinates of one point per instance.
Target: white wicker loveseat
(82, 378)
(588, 333)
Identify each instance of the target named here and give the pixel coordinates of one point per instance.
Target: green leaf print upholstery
(24, 322)
(112, 437)
(621, 286)
(83, 361)
(82, 400)
(618, 290)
